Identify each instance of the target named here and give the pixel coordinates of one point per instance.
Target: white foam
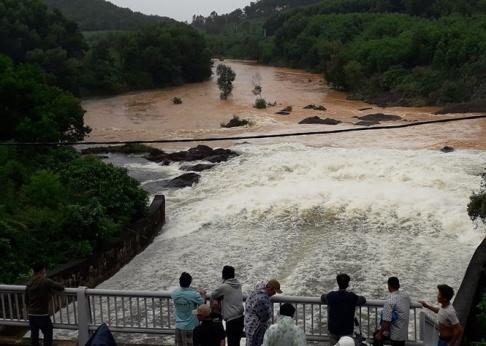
(302, 214)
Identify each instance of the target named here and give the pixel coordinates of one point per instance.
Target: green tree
(30, 33)
(31, 110)
(226, 76)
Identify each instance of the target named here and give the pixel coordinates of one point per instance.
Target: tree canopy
(30, 33)
(101, 15)
(403, 52)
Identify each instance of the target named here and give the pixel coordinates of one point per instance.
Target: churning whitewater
(302, 214)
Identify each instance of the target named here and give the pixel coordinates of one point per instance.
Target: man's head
(287, 310)
(345, 341)
(273, 287)
(393, 284)
(228, 272)
(185, 280)
(39, 268)
(203, 312)
(343, 281)
(445, 294)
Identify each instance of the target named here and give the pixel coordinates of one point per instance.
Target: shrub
(260, 103)
(177, 100)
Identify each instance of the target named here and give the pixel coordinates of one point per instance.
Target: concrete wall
(105, 262)
(472, 288)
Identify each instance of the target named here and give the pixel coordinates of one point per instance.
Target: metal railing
(145, 312)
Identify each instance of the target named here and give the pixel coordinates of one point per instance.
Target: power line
(215, 139)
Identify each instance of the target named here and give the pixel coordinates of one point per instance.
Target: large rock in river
(198, 168)
(380, 117)
(187, 179)
(201, 152)
(317, 120)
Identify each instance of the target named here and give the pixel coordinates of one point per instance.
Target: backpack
(102, 337)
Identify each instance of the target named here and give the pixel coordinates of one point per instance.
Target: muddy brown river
(146, 115)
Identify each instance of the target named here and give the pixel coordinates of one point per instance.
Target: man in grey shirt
(231, 298)
(37, 295)
(396, 313)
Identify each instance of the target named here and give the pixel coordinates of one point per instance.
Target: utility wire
(215, 139)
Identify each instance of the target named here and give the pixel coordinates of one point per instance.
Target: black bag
(102, 337)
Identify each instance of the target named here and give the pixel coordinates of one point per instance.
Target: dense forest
(154, 56)
(406, 52)
(101, 15)
(55, 204)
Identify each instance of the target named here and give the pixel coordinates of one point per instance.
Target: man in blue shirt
(185, 300)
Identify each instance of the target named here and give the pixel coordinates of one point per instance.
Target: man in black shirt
(208, 333)
(341, 306)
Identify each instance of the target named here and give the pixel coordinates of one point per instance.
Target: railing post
(83, 316)
(422, 327)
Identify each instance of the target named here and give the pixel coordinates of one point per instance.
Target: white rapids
(303, 214)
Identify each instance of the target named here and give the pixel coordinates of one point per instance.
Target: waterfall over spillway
(302, 214)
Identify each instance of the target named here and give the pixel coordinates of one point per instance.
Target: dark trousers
(234, 329)
(45, 325)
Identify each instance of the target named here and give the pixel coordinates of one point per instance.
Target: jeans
(234, 329)
(45, 325)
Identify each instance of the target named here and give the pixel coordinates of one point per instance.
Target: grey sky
(182, 9)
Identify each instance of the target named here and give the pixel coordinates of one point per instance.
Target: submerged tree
(226, 76)
(256, 80)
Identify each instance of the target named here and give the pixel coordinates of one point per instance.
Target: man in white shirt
(396, 313)
(450, 330)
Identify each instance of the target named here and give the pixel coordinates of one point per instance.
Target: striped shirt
(400, 303)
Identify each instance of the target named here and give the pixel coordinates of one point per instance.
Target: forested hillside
(101, 15)
(409, 52)
(56, 205)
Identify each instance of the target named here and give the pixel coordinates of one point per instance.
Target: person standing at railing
(186, 299)
(285, 332)
(208, 333)
(258, 311)
(341, 306)
(396, 313)
(37, 296)
(450, 329)
(230, 296)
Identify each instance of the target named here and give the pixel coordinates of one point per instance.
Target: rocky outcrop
(187, 179)
(122, 149)
(316, 107)
(201, 152)
(317, 120)
(366, 123)
(286, 111)
(380, 117)
(198, 168)
(447, 149)
(236, 122)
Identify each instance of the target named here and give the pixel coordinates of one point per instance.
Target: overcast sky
(182, 9)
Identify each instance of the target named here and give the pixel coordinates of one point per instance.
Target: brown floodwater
(147, 115)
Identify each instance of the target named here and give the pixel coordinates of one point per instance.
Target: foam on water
(302, 214)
